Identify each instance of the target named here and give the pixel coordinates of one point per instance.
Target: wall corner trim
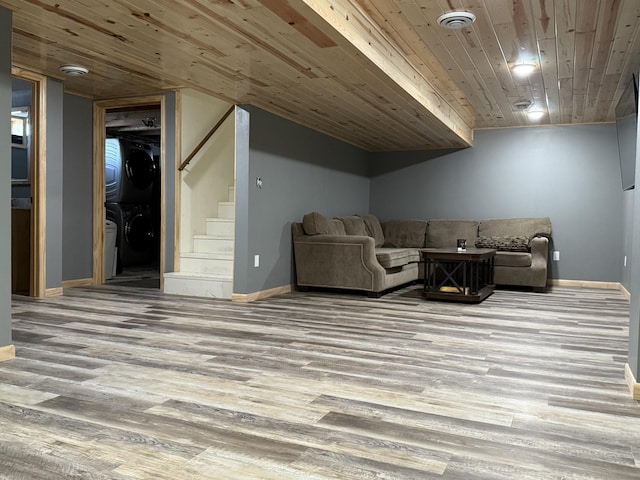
(53, 292)
(7, 353)
(252, 297)
(634, 387)
(625, 292)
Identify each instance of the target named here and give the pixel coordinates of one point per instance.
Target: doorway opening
(28, 142)
(130, 150)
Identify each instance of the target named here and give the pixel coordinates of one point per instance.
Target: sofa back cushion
(315, 223)
(511, 227)
(444, 233)
(297, 229)
(354, 225)
(374, 228)
(404, 233)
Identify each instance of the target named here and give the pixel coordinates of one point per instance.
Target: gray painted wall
(5, 177)
(241, 257)
(77, 198)
(627, 237)
(634, 275)
(569, 173)
(169, 178)
(55, 120)
(302, 170)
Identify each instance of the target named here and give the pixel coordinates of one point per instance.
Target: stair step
(222, 227)
(226, 209)
(198, 285)
(209, 263)
(212, 244)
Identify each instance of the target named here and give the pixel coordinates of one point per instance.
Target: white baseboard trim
(252, 297)
(7, 353)
(634, 387)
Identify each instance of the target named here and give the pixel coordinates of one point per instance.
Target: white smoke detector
(74, 70)
(456, 19)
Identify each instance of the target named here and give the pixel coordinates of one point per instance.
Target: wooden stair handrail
(205, 139)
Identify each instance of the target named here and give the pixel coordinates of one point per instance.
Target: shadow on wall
(284, 261)
(303, 144)
(381, 163)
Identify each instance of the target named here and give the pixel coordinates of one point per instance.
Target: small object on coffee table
(462, 244)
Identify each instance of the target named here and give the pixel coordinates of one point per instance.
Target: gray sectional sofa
(362, 253)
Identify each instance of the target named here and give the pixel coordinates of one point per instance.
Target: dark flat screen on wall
(627, 128)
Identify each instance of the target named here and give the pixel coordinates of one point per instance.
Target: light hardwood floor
(120, 383)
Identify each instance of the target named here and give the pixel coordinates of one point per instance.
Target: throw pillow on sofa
(315, 223)
(504, 243)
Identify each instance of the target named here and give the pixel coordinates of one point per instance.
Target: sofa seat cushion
(414, 255)
(512, 259)
(392, 257)
(506, 243)
(315, 223)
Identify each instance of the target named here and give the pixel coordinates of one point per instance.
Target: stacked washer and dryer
(132, 173)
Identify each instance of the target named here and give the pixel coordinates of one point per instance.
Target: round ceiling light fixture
(522, 105)
(74, 70)
(456, 19)
(523, 69)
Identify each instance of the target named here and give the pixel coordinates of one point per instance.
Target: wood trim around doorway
(38, 172)
(99, 212)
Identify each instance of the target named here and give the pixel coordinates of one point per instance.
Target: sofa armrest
(338, 261)
(540, 248)
(539, 261)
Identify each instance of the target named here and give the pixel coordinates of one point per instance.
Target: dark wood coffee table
(461, 276)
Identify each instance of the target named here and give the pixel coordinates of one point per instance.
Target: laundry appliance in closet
(135, 239)
(130, 171)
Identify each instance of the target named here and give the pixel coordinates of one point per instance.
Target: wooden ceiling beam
(355, 26)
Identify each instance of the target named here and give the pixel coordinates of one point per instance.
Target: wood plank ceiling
(380, 74)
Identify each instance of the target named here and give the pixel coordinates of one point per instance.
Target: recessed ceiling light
(536, 114)
(523, 69)
(456, 19)
(74, 70)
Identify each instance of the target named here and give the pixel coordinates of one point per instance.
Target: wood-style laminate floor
(116, 383)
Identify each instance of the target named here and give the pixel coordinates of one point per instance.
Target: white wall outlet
(256, 261)
(556, 255)
(625, 261)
